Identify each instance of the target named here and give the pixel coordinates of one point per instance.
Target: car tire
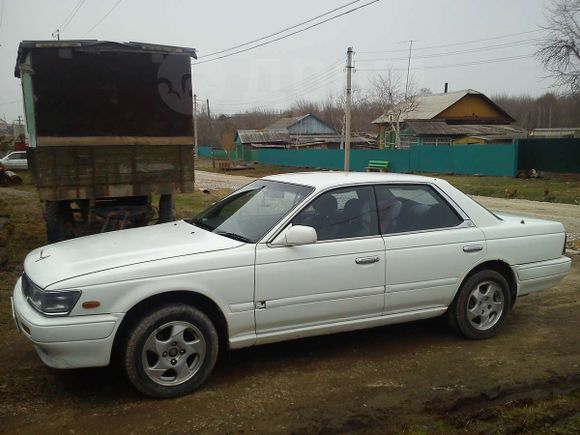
(171, 351)
(166, 209)
(481, 306)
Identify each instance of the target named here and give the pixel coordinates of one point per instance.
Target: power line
(273, 99)
(279, 38)
(71, 15)
(522, 42)
(300, 85)
(281, 31)
(454, 44)
(102, 19)
(308, 85)
(480, 62)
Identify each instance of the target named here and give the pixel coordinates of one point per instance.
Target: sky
(454, 40)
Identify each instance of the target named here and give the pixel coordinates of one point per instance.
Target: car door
(16, 161)
(430, 245)
(338, 278)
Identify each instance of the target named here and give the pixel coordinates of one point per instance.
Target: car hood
(72, 258)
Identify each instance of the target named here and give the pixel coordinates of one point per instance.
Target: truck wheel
(58, 219)
(171, 351)
(481, 306)
(166, 209)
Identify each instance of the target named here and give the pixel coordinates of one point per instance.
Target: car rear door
(430, 246)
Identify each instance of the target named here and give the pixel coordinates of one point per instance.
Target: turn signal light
(91, 304)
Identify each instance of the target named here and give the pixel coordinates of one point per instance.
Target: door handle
(472, 248)
(367, 260)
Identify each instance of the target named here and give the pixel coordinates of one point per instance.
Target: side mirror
(296, 235)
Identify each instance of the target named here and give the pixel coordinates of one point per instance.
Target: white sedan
(15, 161)
(285, 257)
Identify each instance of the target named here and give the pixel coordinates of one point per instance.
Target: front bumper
(66, 342)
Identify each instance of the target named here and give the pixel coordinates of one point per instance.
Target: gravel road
(212, 180)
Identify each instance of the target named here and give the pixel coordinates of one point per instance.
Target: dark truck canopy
(107, 119)
(85, 91)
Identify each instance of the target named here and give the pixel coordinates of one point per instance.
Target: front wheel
(481, 306)
(171, 351)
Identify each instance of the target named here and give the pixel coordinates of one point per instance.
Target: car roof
(324, 179)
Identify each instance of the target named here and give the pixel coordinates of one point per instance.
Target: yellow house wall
(468, 140)
(471, 106)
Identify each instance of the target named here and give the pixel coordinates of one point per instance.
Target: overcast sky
(308, 65)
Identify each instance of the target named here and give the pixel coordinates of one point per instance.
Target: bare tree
(388, 92)
(559, 50)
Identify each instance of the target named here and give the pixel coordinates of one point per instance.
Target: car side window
(17, 156)
(405, 208)
(342, 213)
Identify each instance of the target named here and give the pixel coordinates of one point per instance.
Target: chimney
(446, 87)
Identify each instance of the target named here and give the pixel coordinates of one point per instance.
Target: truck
(109, 128)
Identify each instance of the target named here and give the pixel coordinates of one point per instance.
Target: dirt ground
(412, 378)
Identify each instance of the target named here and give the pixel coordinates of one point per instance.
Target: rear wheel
(171, 351)
(481, 306)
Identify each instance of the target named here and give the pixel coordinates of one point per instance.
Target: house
(451, 118)
(305, 125)
(297, 132)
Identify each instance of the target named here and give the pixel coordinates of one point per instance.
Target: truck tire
(166, 209)
(171, 351)
(58, 220)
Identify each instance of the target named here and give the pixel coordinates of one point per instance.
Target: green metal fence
(491, 159)
(550, 155)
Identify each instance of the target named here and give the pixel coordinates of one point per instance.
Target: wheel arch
(499, 266)
(198, 300)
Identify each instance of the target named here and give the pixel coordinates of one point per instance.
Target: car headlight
(50, 303)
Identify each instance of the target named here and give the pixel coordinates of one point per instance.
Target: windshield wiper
(234, 236)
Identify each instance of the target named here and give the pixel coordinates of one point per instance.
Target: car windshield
(250, 212)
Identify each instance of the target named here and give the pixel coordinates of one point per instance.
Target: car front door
(338, 278)
(430, 246)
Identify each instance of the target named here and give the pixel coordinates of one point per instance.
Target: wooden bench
(378, 166)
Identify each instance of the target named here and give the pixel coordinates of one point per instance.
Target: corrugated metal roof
(264, 136)
(286, 122)
(441, 128)
(430, 106)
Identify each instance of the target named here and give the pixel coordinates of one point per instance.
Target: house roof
(441, 128)
(429, 106)
(286, 122)
(263, 136)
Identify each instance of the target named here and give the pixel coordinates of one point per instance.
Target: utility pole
(195, 125)
(408, 67)
(208, 112)
(57, 34)
(349, 68)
